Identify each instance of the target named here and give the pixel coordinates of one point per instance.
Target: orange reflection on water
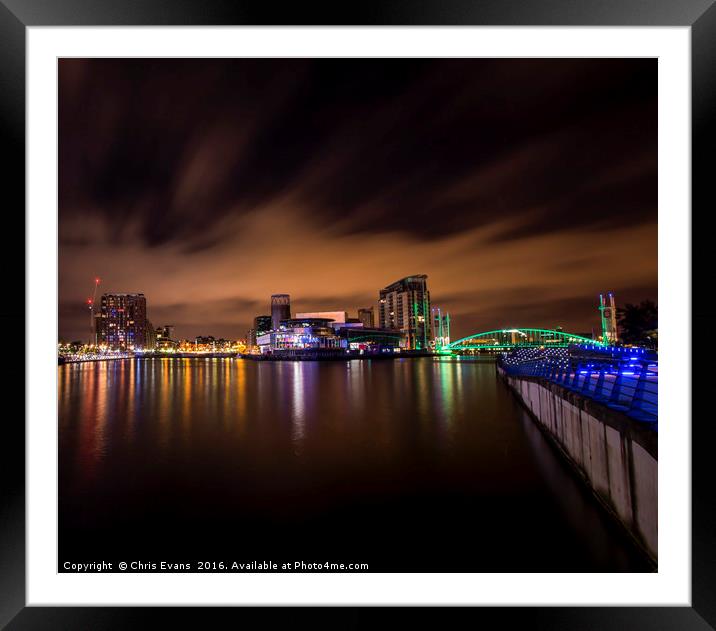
(93, 391)
(187, 383)
(241, 395)
(131, 415)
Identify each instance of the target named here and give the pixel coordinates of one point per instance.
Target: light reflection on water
(381, 456)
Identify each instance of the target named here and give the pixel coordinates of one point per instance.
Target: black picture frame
(700, 15)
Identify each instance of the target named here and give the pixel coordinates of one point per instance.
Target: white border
(671, 585)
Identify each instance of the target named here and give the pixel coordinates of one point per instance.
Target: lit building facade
(371, 340)
(164, 336)
(280, 309)
(608, 316)
(336, 316)
(301, 336)
(165, 332)
(441, 327)
(209, 344)
(367, 317)
(150, 336)
(122, 321)
(405, 306)
(262, 325)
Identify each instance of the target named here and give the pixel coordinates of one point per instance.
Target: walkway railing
(72, 358)
(625, 379)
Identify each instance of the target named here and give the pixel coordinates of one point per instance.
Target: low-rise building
(336, 316)
(371, 340)
(301, 336)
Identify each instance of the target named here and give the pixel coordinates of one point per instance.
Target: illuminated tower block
(122, 321)
(405, 306)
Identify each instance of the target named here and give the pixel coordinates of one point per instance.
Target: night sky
(522, 188)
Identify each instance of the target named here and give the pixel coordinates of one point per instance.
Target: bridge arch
(507, 339)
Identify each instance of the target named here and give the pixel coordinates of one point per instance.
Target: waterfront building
(302, 337)
(164, 336)
(150, 337)
(405, 306)
(441, 327)
(210, 344)
(336, 316)
(166, 344)
(371, 340)
(122, 321)
(367, 317)
(165, 332)
(280, 309)
(262, 324)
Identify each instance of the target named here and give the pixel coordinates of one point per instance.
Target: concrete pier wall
(616, 456)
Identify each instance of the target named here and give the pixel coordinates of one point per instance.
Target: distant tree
(639, 324)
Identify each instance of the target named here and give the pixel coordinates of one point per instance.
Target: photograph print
(357, 315)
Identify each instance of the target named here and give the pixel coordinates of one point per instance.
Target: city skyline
(516, 186)
(278, 312)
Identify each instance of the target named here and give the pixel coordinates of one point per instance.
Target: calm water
(413, 464)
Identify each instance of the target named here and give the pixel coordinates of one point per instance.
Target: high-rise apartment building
(122, 321)
(280, 309)
(367, 317)
(405, 306)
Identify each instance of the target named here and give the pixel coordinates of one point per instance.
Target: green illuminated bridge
(507, 339)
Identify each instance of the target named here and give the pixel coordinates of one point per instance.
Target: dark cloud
(202, 182)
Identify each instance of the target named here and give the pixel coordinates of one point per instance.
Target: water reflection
(378, 457)
(298, 410)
